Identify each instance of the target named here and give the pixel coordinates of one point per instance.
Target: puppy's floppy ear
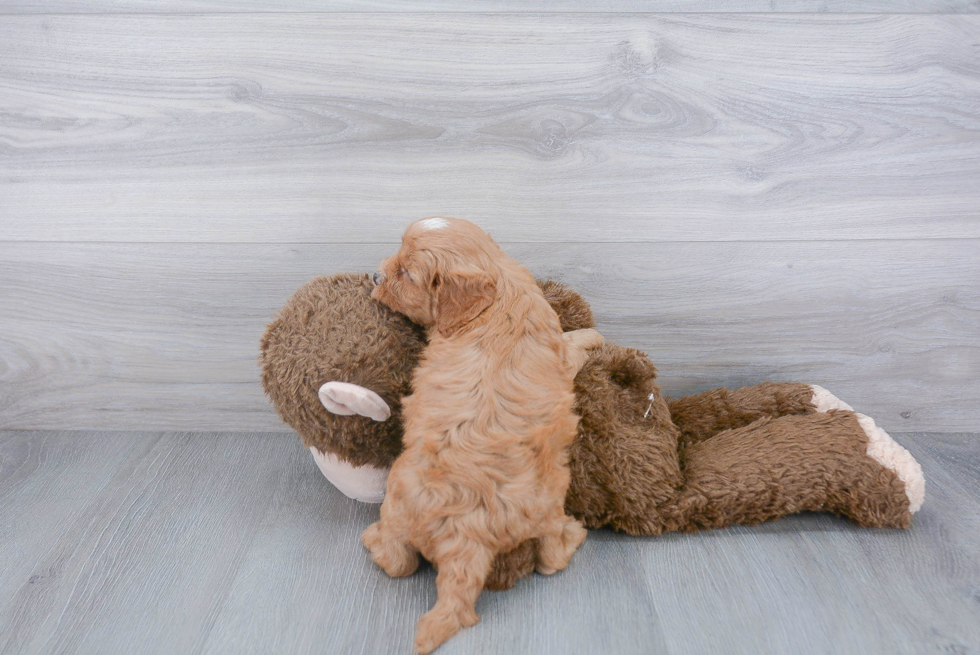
(460, 297)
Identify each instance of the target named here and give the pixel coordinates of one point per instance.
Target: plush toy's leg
(390, 550)
(704, 415)
(463, 566)
(556, 547)
(774, 467)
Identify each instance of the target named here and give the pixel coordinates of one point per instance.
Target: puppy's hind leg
(389, 550)
(556, 547)
(463, 569)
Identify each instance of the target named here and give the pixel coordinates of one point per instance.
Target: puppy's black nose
(377, 278)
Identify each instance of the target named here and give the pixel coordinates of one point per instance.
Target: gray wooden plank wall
(745, 196)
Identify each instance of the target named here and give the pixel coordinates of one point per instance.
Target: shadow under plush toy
(336, 365)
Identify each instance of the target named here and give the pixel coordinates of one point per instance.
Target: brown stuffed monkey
(336, 364)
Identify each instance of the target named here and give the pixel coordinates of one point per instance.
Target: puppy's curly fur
(484, 466)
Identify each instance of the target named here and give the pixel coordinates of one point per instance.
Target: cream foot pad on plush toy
(881, 447)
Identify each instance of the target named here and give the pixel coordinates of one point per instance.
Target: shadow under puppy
(484, 466)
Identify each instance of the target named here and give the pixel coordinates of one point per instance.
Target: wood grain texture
(166, 335)
(480, 6)
(159, 541)
(45, 479)
(842, 589)
(219, 543)
(334, 128)
(333, 599)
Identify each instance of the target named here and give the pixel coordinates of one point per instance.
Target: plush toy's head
(623, 461)
(331, 333)
(337, 363)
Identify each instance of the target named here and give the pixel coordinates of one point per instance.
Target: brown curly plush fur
(772, 454)
(730, 457)
(638, 464)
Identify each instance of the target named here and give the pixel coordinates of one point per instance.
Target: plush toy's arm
(578, 343)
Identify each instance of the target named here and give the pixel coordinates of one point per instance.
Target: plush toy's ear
(349, 399)
(460, 297)
(572, 309)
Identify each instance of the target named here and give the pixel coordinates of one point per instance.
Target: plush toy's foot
(819, 461)
(881, 447)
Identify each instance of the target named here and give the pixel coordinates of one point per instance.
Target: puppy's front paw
(577, 344)
(587, 338)
(592, 339)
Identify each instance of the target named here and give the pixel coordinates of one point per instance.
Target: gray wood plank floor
(149, 542)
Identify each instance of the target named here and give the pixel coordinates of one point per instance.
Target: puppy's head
(443, 276)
